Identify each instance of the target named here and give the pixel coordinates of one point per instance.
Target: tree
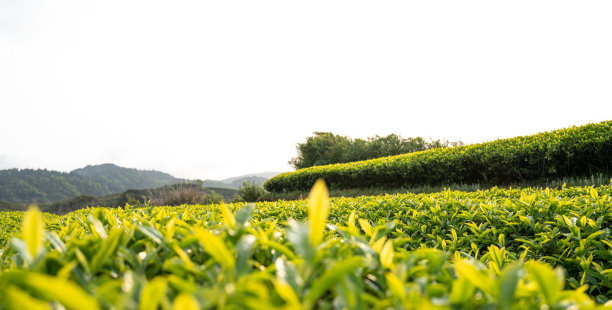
(321, 149)
(325, 148)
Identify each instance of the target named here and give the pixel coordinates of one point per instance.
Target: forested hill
(118, 179)
(42, 186)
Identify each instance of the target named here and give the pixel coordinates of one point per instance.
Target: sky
(215, 89)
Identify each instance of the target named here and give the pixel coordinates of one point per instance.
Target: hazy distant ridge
(235, 182)
(42, 186)
(118, 179)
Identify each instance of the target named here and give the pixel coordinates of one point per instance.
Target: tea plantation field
(493, 249)
(579, 151)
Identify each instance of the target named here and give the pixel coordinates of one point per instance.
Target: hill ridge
(44, 186)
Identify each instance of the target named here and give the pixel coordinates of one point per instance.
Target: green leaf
(184, 257)
(281, 249)
(17, 299)
(387, 254)
(228, 216)
(96, 227)
(244, 249)
(465, 270)
(152, 294)
(287, 273)
(55, 241)
(33, 231)
(365, 225)
(66, 293)
(185, 302)
(286, 292)
(332, 275)
(216, 248)
(151, 232)
(395, 286)
(298, 237)
(546, 279)
(508, 283)
(107, 249)
(318, 210)
(21, 248)
(244, 215)
(351, 224)
(461, 291)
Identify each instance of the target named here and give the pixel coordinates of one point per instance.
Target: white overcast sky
(215, 89)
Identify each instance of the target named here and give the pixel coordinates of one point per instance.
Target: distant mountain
(235, 182)
(39, 186)
(164, 195)
(140, 197)
(118, 179)
(44, 186)
(215, 183)
(264, 175)
(253, 179)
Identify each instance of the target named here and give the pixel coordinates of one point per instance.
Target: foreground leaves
(372, 253)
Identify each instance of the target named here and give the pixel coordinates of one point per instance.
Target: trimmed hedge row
(571, 152)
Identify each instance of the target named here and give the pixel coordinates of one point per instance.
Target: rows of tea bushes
(494, 249)
(572, 152)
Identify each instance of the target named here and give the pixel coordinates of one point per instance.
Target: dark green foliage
(212, 198)
(250, 192)
(327, 148)
(159, 196)
(39, 186)
(572, 152)
(118, 179)
(594, 180)
(44, 186)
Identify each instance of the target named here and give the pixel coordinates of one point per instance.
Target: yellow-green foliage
(572, 152)
(494, 249)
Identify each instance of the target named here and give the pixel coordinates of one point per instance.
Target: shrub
(250, 191)
(178, 195)
(572, 152)
(212, 198)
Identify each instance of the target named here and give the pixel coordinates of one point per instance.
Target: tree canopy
(324, 148)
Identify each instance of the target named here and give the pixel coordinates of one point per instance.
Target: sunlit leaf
(546, 279)
(152, 294)
(286, 292)
(318, 210)
(66, 293)
(33, 231)
(216, 248)
(228, 216)
(17, 299)
(386, 255)
(466, 270)
(185, 302)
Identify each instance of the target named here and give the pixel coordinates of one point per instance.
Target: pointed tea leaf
(33, 231)
(318, 210)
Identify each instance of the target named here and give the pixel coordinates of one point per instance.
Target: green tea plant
(572, 152)
(450, 250)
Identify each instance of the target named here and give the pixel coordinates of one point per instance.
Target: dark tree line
(325, 148)
(44, 186)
